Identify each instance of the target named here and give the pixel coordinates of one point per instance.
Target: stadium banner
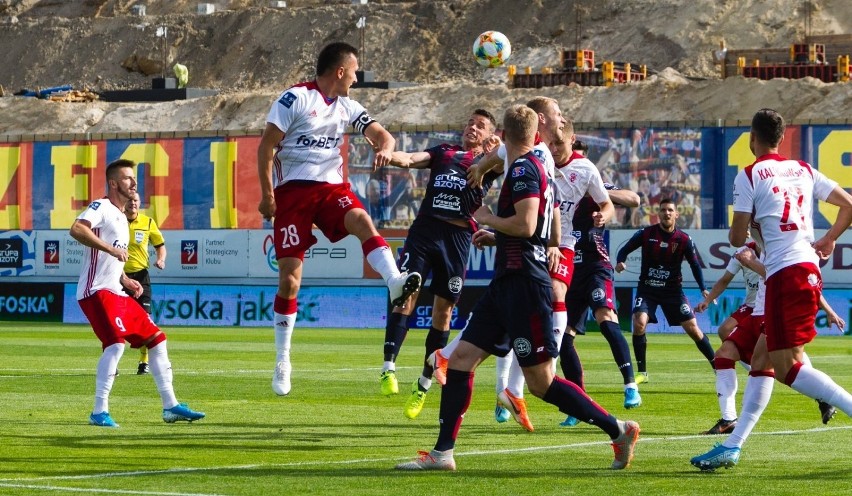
(206, 253)
(710, 320)
(252, 306)
(211, 182)
(17, 253)
(58, 254)
(421, 316)
(716, 252)
(324, 260)
(31, 302)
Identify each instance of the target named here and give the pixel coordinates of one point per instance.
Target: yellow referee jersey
(142, 231)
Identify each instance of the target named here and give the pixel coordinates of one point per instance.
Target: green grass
(335, 434)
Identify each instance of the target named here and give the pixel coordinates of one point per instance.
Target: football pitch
(335, 434)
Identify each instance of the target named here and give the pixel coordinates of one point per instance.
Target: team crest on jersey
(287, 99)
(139, 236)
(313, 113)
(522, 347)
(95, 205)
(674, 247)
(455, 285)
(344, 201)
(598, 294)
(518, 171)
(684, 309)
(572, 177)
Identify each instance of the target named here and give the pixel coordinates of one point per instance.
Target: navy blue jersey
(662, 256)
(525, 178)
(590, 246)
(447, 195)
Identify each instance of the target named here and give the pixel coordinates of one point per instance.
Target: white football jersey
(541, 151)
(751, 278)
(779, 194)
(100, 269)
(313, 127)
(572, 180)
(759, 298)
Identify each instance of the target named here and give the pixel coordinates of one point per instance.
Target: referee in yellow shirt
(143, 230)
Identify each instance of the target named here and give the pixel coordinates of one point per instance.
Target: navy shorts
(675, 306)
(591, 288)
(144, 279)
(438, 248)
(514, 313)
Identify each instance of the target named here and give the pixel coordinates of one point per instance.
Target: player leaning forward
(299, 156)
(115, 317)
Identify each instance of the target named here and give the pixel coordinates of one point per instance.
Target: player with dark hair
(775, 196)
(116, 318)
(301, 183)
(664, 247)
(438, 242)
(515, 312)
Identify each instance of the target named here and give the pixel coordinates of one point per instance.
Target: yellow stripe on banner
(10, 160)
(68, 186)
(223, 155)
(157, 159)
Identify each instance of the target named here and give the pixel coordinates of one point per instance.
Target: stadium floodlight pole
(362, 27)
(163, 32)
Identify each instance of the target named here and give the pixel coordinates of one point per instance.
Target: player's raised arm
(410, 160)
(624, 197)
(383, 143)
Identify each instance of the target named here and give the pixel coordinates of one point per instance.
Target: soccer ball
(492, 49)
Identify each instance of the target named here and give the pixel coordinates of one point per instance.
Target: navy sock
(435, 340)
(571, 400)
(395, 332)
(572, 369)
(455, 398)
(640, 348)
(620, 350)
(706, 349)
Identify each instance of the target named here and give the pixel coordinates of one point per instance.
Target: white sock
(425, 382)
(283, 333)
(388, 366)
(447, 351)
(726, 391)
(381, 260)
(818, 385)
(107, 366)
(757, 393)
(745, 366)
(516, 378)
(161, 370)
(503, 366)
(560, 323)
(806, 360)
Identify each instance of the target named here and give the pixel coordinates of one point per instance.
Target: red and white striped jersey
(100, 269)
